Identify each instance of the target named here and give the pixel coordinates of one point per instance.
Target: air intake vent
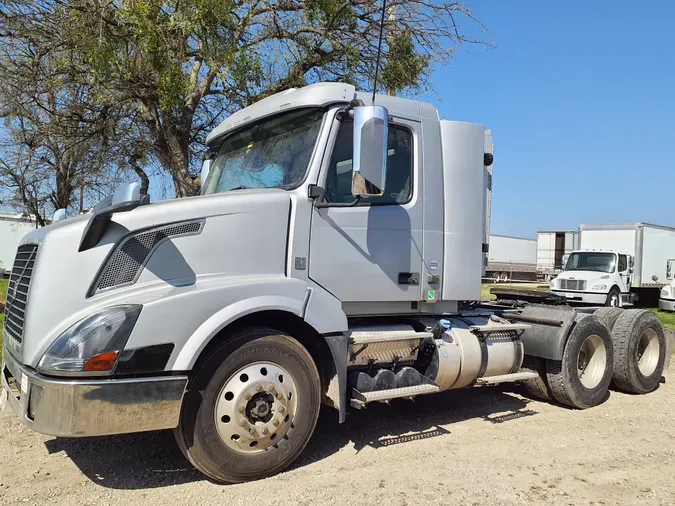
(17, 293)
(126, 262)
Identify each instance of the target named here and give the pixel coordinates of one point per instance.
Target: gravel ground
(483, 446)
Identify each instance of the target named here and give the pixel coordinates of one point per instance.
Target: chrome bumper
(79, 408)
(582, 297)
(667, 304)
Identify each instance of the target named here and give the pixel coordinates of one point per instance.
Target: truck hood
(64, 282)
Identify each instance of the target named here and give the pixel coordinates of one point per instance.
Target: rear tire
(609, 316)
(251, 408)
(640, 351)
(581, 379)
(535, 387)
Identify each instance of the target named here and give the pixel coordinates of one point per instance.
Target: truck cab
(600, 278)
(326, 261)
(667, 295)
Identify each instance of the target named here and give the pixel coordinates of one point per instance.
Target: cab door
(624, 273)
(369, 249)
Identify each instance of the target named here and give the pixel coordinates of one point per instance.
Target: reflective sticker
(431, 295)
(24, 383)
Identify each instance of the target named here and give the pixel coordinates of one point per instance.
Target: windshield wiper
(242, 187)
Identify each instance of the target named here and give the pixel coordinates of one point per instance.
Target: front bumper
(79, 408)
(597, 299)
(667, 304)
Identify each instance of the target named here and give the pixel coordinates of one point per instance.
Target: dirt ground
(483, 446)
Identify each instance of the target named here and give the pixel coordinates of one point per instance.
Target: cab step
(369, 336)
(506, 378)
(360, 399)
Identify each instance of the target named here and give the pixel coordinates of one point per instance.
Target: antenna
(379, 48)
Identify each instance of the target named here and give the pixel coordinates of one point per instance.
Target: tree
(184, 64)
(55, 145)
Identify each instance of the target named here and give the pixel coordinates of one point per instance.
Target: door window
(398, 186)
(623, 263)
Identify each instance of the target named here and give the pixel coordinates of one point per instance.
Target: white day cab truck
(618, 265)
(667, 296)
(325, 261)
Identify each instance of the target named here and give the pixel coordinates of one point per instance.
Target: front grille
(17, 293)
(572, 284)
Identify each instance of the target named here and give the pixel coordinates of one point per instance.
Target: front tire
(581, 379)
(251, 408)
(613, 298)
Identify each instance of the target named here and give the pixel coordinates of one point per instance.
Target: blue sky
(580, 97)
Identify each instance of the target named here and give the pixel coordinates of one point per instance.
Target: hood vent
(125, 263)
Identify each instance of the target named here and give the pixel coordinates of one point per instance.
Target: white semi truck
(617, 265)
(667, 295)
(325, 261)
(553, 248)
(511, 258)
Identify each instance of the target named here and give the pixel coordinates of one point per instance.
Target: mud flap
(549, 329)
(339, 346)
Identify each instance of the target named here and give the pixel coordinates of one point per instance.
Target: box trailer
(553, 247)
(618, 264)
(511, 258)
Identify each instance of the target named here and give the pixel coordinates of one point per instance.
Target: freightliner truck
(325, 261)
(618, 265)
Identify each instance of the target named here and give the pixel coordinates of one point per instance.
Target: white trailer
(553, 248)
(13, 227)
(637, 255)
(511, 258)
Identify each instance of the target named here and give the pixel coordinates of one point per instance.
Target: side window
(398, 187)
(623, 263)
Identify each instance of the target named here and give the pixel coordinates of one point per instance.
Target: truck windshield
(591, 261)
(273, 153)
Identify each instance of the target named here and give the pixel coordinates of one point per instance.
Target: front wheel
(613, 298)
(252, 415)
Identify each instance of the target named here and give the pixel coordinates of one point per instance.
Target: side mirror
(370, 150)
(206, 168)
(631, 270)
(59, 214)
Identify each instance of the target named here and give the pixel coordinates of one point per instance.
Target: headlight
(599, 287)
(664, 292)
(93, 344)
(553, 284)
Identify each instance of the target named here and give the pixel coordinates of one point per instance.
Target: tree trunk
(172, 152)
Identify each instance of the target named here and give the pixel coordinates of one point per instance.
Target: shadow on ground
(151, 460)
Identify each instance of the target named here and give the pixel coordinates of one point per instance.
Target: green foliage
(405, 67)
(180, 66)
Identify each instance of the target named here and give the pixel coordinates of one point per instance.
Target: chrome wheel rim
(648, 352)
(614, 301)
(256, 407)
(592, 361)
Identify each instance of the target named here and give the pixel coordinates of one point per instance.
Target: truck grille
(17, 293)
(572, 284)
